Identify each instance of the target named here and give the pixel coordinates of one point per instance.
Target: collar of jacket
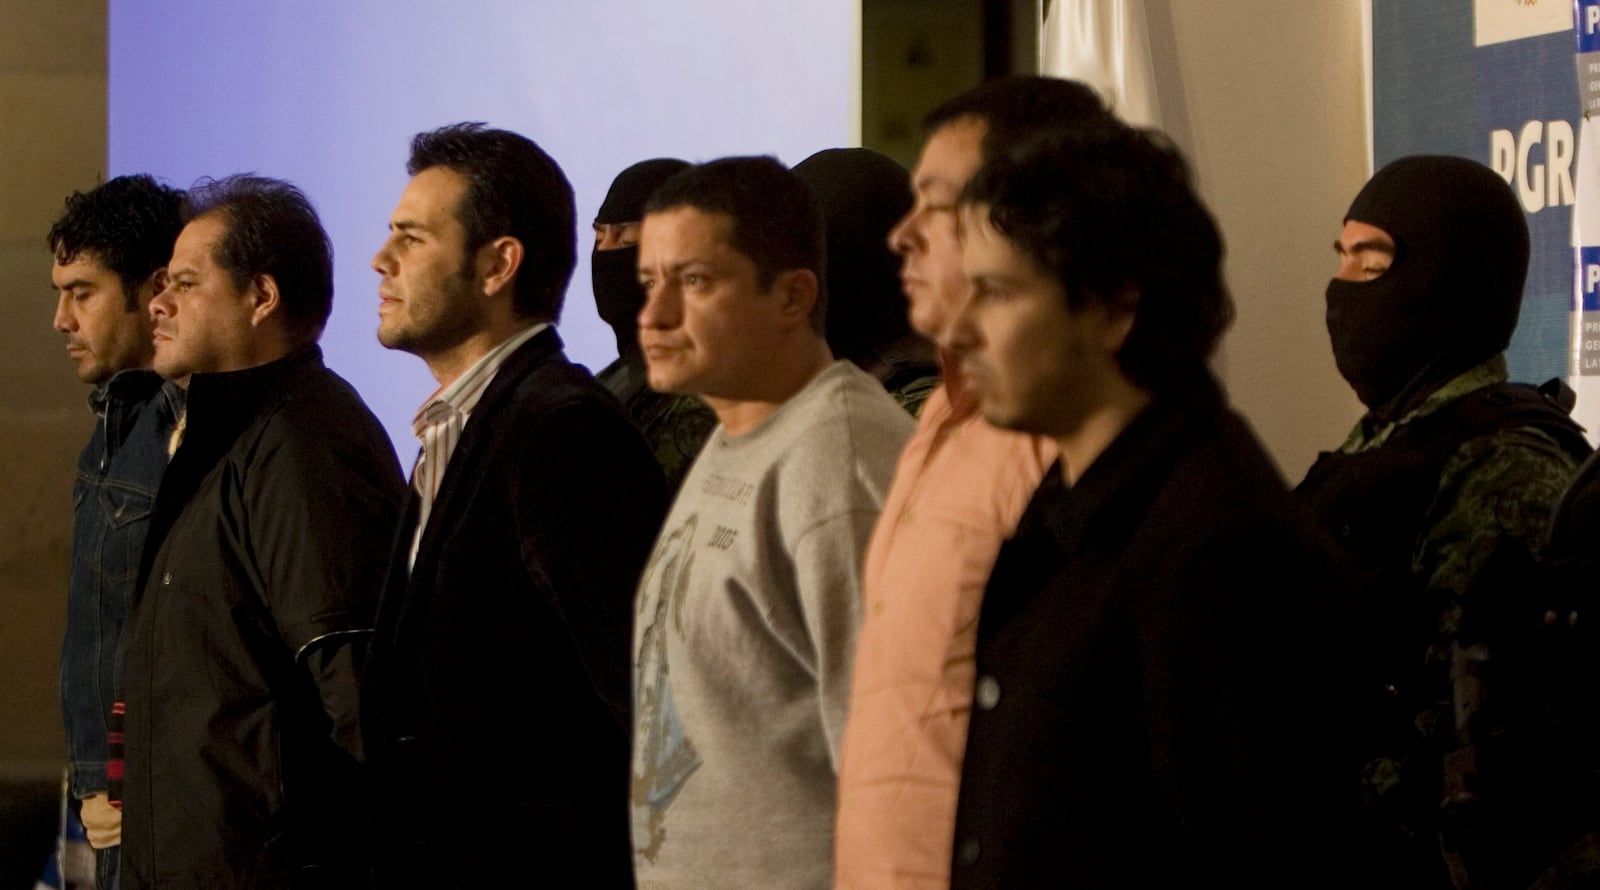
(223, 405)
(538, 347)
(1115, 490)
(1371, 431)
(125, 387)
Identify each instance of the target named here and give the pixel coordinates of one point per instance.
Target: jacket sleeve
(588, 503)
(320, 511)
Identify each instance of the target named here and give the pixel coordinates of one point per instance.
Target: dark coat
(1151, 708)
(497, 698)
(258, 586)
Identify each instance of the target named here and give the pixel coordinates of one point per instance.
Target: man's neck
(448, 365)
(1083, 445)
(741, 415)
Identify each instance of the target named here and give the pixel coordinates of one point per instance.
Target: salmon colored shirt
(959, 489)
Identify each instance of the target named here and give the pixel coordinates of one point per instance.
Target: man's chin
(1005, 417)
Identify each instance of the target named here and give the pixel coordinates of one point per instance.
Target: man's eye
(988, 293)
(694, 279)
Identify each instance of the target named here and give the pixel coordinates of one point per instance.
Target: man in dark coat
(1151, 708)
(262, 567)
(497, 698)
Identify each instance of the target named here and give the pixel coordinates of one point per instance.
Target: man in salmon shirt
(959, 489)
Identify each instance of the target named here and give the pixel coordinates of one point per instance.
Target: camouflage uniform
(908, 368)
(1475, 554)
(675, 426)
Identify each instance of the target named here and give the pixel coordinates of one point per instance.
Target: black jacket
(1151, 708)
(260, 578)
(498, 694)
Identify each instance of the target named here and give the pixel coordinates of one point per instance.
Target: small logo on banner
(1499, 21)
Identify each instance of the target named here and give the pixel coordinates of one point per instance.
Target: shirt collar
(461, 395)
(133, 384)
(1116, 487)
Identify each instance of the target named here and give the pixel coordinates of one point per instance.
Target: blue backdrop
(328, 95)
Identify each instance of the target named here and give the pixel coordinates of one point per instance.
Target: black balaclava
(614, 274)
(863, 194)
(1449, 300)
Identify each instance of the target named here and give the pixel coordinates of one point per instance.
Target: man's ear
(1121, 311)
(263, 294)
(797, 291)
(498, 262)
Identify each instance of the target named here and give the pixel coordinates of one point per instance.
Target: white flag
(1105, 44)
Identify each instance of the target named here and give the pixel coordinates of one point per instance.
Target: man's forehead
(953, 152)
(198, 240)
(689, 226)
(432, 196)
(85, 264)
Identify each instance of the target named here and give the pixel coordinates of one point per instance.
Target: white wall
(328, 95)
(1268, 99)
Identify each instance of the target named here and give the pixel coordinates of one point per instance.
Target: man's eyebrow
(407, 225)
(74, 284)
(1367, 244)
(682, 264)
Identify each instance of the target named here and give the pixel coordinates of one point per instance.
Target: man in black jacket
(497, 699)
(1150, 708)
(262, 566)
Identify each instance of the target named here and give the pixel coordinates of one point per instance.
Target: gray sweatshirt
(746, 624)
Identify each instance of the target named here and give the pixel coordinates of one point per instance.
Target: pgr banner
(1497, 87)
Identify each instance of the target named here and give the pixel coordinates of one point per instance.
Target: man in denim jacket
(111, 246)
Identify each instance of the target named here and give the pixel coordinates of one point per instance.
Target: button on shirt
(441, 419)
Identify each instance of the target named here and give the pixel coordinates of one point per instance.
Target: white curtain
(1104, 43)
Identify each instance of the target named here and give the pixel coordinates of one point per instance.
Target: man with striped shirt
(497, 697)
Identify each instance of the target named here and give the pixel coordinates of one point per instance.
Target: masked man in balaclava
(863, 194)
(675, 426)
(1441, 498)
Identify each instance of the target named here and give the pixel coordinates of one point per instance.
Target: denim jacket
(118, 473)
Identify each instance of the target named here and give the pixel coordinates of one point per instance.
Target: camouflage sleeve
(1497, 490)
(677, 435)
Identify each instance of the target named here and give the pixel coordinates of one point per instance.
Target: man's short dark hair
(271, 229)
(1108, 208)
(127, 224)
(513, 189)
(774, 218)
(1017, 108)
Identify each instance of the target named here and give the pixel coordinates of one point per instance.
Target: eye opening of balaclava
(614, 274)
(862, 194)
(1449, 301)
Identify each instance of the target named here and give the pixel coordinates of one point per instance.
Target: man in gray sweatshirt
(748, 609)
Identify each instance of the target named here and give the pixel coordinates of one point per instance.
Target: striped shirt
(441, 419)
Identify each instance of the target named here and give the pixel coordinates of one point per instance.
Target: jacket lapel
(462, 470)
